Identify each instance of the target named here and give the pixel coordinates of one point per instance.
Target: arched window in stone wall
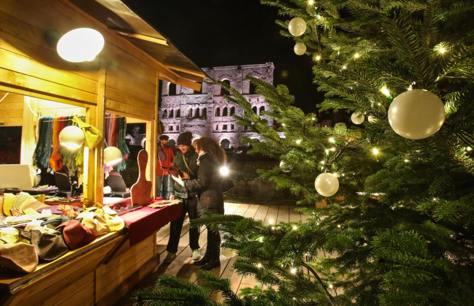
(218, 112)
(171, 114)
(204, 113)
(262, 109)
(252, 88)
(224, 112)
(224, 91)
(190, 113)
(170, 128)
(178, 113)
(254, 109)
(225, 144)
(172, 89)
(165, 114)
(232, 111)
(196, 113)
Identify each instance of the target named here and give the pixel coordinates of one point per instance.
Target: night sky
(223, 32)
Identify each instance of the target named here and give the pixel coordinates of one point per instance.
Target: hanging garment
(121, 143)
(55, 161)
(43, 146)
(92, 134)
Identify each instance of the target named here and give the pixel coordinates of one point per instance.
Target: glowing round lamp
(112, 156)
(71, 137)
(80, 45)
(224, 171)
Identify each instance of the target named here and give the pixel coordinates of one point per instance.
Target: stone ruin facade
(209, 113)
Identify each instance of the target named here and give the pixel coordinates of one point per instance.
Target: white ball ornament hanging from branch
(416, 114)
(285, 167)
(297, 26)
(299, 48)
(357, 118)
(326, 184)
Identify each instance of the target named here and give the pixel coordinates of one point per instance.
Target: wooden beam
(187, 71)
(127, 46)
(154, 40)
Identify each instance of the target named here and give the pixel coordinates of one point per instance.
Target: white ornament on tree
(416, 114)
(300, 48)
(372, 119)
(326, 184)
(297, 26)
(357, 118)
(285, 167)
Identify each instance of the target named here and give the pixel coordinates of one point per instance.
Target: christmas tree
(394, 216)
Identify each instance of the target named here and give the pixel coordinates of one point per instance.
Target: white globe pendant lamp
(71, 137)
(112, 156)
(80, 45)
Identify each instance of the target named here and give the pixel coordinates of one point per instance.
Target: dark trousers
(213, 249)
(190, 207)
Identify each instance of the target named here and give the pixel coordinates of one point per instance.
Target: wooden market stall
(122, 80)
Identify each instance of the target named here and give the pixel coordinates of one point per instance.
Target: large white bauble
(299, 48)
(297, 26)
(416, 114)
(326, 184)
(357, 118)
(71, 137)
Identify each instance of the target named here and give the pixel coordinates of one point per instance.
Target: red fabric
(164, 160)
(55, 160)
(144, 221)
(76, 235)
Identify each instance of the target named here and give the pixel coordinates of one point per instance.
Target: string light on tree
(297, 26)
(293, 270)
(285, 167)
(416, 114)
(298, 141)
(372, 119)
(375, 151)
(357, 118)
(310, 2)
(356, 55)
(385, 91)
(317, 57)
(299, 48)
(344, 67)
(326, 184)
(332, 139)
(441, 48)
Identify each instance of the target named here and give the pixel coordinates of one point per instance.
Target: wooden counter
(86, 276)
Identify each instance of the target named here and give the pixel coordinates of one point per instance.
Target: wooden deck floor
(182, 266)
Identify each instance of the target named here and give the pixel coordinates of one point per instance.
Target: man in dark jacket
(185, 164)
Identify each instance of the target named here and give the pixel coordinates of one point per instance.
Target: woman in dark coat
(208, 185)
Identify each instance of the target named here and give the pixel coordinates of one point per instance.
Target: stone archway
(225, 143)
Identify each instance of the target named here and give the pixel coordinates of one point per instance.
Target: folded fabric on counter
(144, 221)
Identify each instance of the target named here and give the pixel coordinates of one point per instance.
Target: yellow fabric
(9, 235)
(8, 201)
(92, 134)
(101, 223)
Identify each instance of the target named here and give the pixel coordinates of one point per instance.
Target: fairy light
(271, 221)
(310, 2)
(259, 265)
(319, 17)
(298, 141)
(283, 125)
(294, 227)
(333, 149)
(344, 67)
(385, 91)
(260, 239)
(332, 140)
(317, 57)
(468, 149)
(356, 55)
(338, 226)
(326, 151)
(441, 48)
(293, 270)
(375, 151)
(330, 286)
(322, 162)
(406, 160)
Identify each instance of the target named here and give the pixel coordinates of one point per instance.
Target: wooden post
(94, 189)
(151, 130)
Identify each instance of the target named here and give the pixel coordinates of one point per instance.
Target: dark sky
(224, 32)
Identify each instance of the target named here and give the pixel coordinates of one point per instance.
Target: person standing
(208, 185)
(163, 166)
(185, 163)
